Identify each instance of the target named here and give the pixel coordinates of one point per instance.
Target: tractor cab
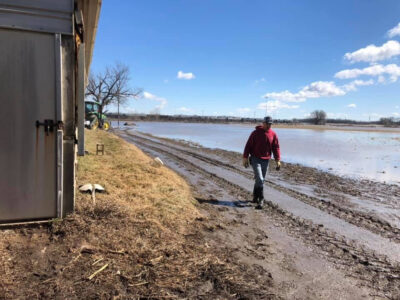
(91, 107)
(93, 118)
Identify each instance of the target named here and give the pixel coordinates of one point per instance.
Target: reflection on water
(370, 155)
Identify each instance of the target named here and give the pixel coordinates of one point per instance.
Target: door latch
(49, 125)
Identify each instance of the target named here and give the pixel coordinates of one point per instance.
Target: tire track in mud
(357, 218)
(375, 270)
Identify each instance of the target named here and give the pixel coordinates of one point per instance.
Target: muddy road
(320, 236)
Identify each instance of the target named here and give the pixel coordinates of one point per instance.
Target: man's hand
(245, 162)
(278, 165)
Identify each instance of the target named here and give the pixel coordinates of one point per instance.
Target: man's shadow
(235, 203)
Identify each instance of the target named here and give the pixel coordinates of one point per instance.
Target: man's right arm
(247, 150)
(249, 146)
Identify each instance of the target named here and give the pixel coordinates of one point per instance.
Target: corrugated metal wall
(52, 19)
(28, 153)
(38, 20)
(38, 15)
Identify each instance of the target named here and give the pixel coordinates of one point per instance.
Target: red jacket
(262, 144)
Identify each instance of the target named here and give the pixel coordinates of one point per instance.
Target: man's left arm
(276, 151)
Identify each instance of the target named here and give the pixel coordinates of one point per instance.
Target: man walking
(262, 143)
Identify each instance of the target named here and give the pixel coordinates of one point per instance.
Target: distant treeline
(230, 119)
(390, 122)
(183, 118)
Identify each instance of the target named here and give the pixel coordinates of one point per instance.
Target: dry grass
(134, 182)
(143, 238)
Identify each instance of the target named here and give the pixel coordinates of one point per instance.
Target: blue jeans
(260, 167)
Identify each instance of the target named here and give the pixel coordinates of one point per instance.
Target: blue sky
(242, 58)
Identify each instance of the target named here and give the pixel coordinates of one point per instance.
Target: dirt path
(313, 248)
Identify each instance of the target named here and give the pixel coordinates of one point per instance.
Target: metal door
(28, 153)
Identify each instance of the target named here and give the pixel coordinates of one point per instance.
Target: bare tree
(390, 121)
(111, 87)
(319, 117)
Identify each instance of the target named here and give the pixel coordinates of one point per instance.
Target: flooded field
(371, 155)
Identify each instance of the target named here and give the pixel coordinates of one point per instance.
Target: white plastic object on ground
(98, 188)
(86, 188)
(158, 161)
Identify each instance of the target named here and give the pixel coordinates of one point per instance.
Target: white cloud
(271, 106)
(394, 31)
(314, 90)
(373, 116)
(352, 86)
(259, 81)
(186, 76)
(337, 116)
(374, 53)
(147, 95)
(184, 109)
(130, 110)
(374, 70)
(392, 70)
(381, 79)
(285, 96)
(322, 89)
(243, 110)
(376, 115)
(162, 101)
(396, 114)
(397, 107)
(352, 105)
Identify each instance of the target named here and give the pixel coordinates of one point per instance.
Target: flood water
(371, 155)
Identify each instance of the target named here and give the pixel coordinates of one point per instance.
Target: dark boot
(255, 194)
(260, 202)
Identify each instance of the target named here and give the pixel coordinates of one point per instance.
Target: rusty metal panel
(68, 117)
(80, 98)
(60, 174)
(68, 85)
(28, 155)
(37, 15)
(59, 117)
(69, 166)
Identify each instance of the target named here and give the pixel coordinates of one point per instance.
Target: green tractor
(93, 118)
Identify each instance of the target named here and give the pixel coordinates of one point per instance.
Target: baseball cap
(267, 120)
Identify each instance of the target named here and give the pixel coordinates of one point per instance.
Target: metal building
(46, 48)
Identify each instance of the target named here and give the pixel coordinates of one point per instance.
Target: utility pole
(118, 110)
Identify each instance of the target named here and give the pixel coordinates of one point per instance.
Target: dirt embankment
(144, 238)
